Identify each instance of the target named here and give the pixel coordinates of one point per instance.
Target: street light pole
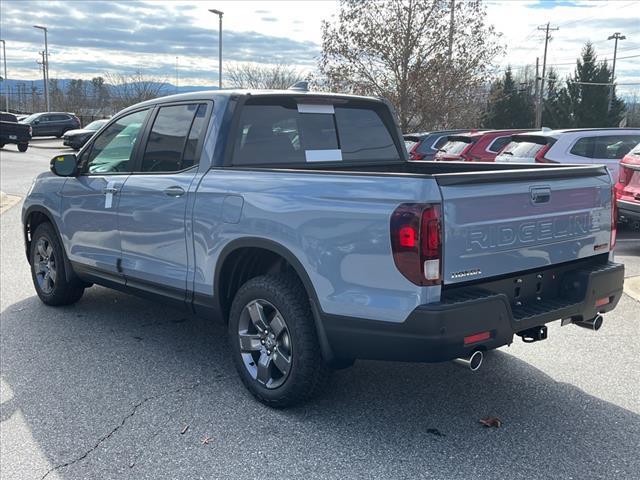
(616, 36)
(219, 13)
(6, 88)
(46, 66)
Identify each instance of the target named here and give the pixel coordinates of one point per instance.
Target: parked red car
(476, 146)
(628, 189)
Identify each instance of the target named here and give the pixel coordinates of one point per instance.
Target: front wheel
(274, 342)
(22, 147)
(48, 269)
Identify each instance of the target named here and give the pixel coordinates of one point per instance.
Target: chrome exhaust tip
(472, 362)
(592, 324)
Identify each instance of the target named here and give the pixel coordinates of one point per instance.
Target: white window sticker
(315, 108)
(108, 198)
(323, 155)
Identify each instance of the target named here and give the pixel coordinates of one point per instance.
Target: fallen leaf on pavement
(491, 422)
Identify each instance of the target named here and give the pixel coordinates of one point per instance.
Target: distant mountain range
(165, 88)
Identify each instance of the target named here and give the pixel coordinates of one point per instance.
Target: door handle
(174, 191)
(112, 190)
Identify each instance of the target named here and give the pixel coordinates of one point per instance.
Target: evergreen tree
(509, 105)
(557, 108)
(591, 102)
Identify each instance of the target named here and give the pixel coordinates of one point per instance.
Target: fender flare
(282, 251)
(69, 273)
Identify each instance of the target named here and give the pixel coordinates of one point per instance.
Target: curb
(7, 201)
(632, 287)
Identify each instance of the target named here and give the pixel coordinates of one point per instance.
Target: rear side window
(58, 118)
(171, 137)
(610, 147)
(283, 132)
(498, 144)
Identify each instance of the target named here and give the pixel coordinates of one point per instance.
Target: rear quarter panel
(335, 225)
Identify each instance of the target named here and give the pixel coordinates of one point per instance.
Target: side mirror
(36, 121)
(64, 165)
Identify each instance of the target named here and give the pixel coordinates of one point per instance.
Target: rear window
(7, 117)
(281, 131)
(455, 147)
(498, 144)
(438, 144)
(522, 149)
(610, 147)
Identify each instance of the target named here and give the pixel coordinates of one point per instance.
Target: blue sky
(94, 37)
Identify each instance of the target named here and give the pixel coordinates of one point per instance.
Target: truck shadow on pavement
(116, 386)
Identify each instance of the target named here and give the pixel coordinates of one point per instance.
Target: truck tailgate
(502, 222)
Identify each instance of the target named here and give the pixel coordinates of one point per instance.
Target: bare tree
(256, 76)
(128, 89)
(399, 49)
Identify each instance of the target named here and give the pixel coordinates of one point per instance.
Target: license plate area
(13, 137)
(561, 283)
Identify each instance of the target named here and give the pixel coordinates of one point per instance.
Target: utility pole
(176, 74)
(538, 119)
(44, 73)
(546, 28)
(45, 67)
(5, 79)
(616, 36)
(219, 13)
(451, 20)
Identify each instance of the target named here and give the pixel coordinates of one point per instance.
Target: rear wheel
(23, 147)
(274, 342)
(48, 269)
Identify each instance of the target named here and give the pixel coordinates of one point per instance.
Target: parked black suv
(13, 132)
(48, 124)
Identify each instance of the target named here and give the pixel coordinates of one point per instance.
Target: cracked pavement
(104, 389)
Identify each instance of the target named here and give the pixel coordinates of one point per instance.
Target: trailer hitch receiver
(534, 334)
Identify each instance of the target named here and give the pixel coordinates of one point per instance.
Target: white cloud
(104, 36)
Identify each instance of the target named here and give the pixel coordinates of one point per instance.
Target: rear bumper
(628, 211)
(436, 332)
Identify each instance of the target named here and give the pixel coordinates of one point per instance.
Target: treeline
(99, 97)
(584, 99)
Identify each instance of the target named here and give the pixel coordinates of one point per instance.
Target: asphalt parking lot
(119, 387)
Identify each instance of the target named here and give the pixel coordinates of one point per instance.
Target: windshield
(95, 125)
(30, 118)
(522, 149)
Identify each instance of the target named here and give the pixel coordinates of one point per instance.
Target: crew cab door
(90, 200)
(154, 201)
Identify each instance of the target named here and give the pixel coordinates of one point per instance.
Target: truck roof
(227, 93)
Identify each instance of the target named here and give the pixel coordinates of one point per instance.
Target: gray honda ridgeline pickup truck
(296, 218)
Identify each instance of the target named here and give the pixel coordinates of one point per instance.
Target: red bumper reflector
(478, 337)
(602, 301)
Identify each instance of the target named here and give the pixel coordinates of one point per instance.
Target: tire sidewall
(246, 294)
(46, 230)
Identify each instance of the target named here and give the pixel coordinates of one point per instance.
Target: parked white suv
(589, 145)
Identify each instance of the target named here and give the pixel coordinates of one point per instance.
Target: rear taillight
(416, 242)
(414, 154)
(30, 130)
(614, 219)
(624, 175)
(540, 155)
